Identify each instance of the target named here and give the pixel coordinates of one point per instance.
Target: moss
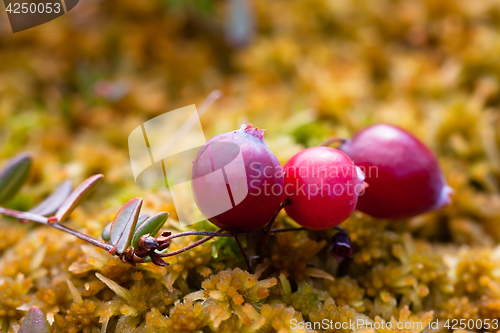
(332, 313)
(314, 69)
(79, 318)
(232, 292)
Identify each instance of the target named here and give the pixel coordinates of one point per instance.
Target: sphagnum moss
(316, 69)
(346, 291)
(80, 317)
(13, 294)
(232, 292)
(132, 305)
(184, 317)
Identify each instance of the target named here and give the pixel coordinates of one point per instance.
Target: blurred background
(73, 89)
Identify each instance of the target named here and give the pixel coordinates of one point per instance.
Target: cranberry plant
(410, 183)
(132, 236)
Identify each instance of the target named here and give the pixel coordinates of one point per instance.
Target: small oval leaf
(151, 226)
(23, 215)
(77, 196)
(106, 232)
(51, 204)
(124, 224)
(13, 176)
(34, 322)
(141, 220)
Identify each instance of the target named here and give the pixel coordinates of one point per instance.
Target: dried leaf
(75, 294)
(119, 290)
(124, 224)
(151, 226)
(34, 322)
(318, 273)
(13, 176)
(52, 203)
(77, 196)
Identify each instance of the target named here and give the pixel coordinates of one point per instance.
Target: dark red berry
(249, 194)
(322, 185)
(403, 175)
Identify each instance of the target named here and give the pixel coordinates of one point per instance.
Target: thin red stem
(84, 237)
(43, 220)
(190, 246)
(242, 250)
(228, 234)
(209, 235)
(268, 229)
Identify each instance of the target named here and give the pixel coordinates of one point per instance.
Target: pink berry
(404, 176)
(322, 185)
(254, 180)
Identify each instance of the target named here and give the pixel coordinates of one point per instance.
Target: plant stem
(43, 220)
(268, 229)
(228, 234)
(190, 246)
(24, 216)
(209, 235)
(242, 250)
(334, 139)
(84, 237)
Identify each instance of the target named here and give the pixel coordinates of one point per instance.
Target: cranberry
(253, 179)
(322, 185)
(404, 176)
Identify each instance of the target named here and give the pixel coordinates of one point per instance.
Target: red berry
(322, 185)
(404, 176)
(254, 181)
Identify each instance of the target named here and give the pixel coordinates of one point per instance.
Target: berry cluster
(383, 171)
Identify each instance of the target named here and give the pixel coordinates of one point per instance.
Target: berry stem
(229, 234)
(268, 229)
(332, 140)
(190, 246)
(209, 235)
(242, 250)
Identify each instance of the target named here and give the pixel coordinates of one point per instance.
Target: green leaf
(106, 232)
(34, 322)
(141, 220)
(13, 176)
(52, 203)
(124, 224)
(23, 215)
(77, 196)
(151, 226)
